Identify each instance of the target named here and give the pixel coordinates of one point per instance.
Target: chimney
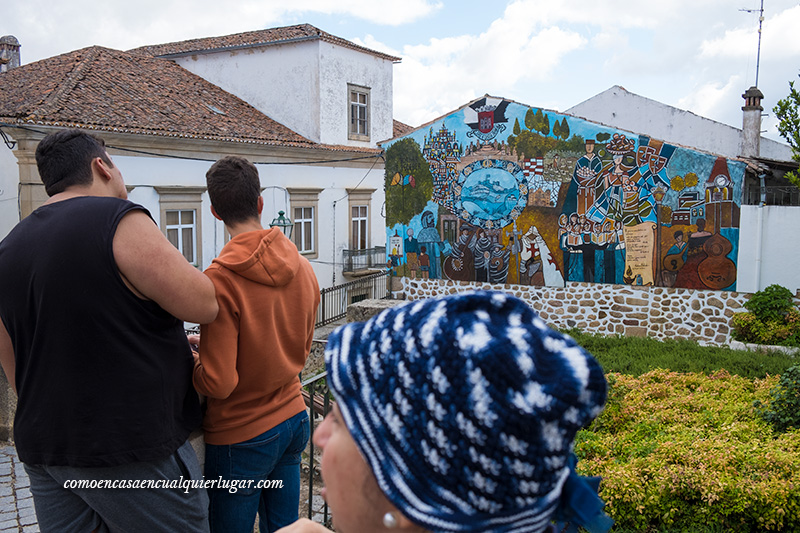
(9, 52)
(751, 122)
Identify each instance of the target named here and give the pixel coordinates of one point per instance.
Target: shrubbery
(688, 452)
(772, 318)
(638, 355)
(782, 411)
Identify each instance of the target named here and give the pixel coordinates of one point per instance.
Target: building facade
(306, 107)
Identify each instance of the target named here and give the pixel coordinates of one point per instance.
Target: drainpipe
(760, 230)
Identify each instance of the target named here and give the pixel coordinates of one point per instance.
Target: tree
(557, 129)
(517, 129)
(530, 119)
(789, 127)
(546, 126)
(405, 201)
(564, 133)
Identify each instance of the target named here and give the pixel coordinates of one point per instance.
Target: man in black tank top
(92, 303)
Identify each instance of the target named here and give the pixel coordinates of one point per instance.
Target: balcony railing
(318, 399)
(773, 195)
(355, 260)
(334, 300)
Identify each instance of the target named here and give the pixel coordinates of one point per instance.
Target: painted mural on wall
(504, 193)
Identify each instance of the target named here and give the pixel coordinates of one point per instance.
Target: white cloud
(708, 99)
(386, 12)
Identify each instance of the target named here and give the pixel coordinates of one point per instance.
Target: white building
(623, 109)
(308, 108)
(769, 245)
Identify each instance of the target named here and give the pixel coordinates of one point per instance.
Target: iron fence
(363, 259)
(334, 300)
(773, 195)
(318, 399)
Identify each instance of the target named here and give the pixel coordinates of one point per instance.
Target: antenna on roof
(760, 22)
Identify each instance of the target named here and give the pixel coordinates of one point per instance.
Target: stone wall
(658, 312)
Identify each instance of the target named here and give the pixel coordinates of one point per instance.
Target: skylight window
(215, 109)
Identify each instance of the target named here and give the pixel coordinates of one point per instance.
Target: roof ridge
(253, 38)
(54, 100)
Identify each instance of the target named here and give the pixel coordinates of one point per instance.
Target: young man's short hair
(234, 189)
(64, 159)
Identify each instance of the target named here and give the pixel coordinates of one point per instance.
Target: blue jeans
(273, 456)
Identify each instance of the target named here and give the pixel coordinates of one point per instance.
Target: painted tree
(530, 119)
(517, 129)
(564, 133)
(405, 201)
(557, 129)
(788, 112)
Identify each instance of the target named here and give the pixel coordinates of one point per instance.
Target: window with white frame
(304, 229)
(358, 98)
(180, 209)
(304, 205)
(359, 204)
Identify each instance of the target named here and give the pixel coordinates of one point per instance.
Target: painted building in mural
(502, 192)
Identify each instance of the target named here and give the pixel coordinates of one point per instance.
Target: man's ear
(214, 212)
(260, 204)
(101, 168)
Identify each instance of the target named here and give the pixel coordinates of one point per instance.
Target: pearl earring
(389, 521)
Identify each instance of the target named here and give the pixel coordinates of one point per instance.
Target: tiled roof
(272, 36)
(108, 90)
(399, 128)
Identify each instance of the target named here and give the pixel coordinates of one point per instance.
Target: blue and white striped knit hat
(465, 408)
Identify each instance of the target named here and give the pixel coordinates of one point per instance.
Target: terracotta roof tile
(103, 89)
(400, 128)
(272, 36)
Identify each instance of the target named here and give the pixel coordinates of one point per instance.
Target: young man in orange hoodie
(256, 425)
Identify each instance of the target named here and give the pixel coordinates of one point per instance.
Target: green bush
(772, 319)
(782, 411)
(771, 303)
(687, 452)
(638, 355)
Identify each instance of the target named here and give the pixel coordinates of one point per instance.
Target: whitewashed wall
(145, 173)
(9, 186)
(340, 66)
(304, 86)
(281, 81)
(623, 109)
(769, 248)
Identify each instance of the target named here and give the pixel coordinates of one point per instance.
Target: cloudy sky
(698, 55)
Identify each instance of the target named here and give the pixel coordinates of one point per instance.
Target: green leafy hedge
(772, 318)
(687, 452)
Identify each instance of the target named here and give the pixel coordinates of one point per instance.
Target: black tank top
(104, 377)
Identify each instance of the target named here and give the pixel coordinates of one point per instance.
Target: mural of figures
(500, 192)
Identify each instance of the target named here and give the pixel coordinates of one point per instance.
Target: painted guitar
(717, 271)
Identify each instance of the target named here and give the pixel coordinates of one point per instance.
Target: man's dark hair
(677, 234)
(234, 189)
(64, 159)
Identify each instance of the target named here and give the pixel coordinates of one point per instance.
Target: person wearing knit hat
(458, 414)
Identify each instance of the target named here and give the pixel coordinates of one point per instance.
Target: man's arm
(154, 269)
(7, 360)
(215, 373)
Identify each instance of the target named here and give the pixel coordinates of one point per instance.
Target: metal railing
(353, 260)
(773, 195)
(334, 300)
(318, 399)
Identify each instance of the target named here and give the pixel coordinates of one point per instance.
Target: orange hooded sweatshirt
(251, 355)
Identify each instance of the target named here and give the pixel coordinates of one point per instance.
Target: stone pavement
(16, 502)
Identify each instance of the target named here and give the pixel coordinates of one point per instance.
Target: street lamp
(284, 223)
